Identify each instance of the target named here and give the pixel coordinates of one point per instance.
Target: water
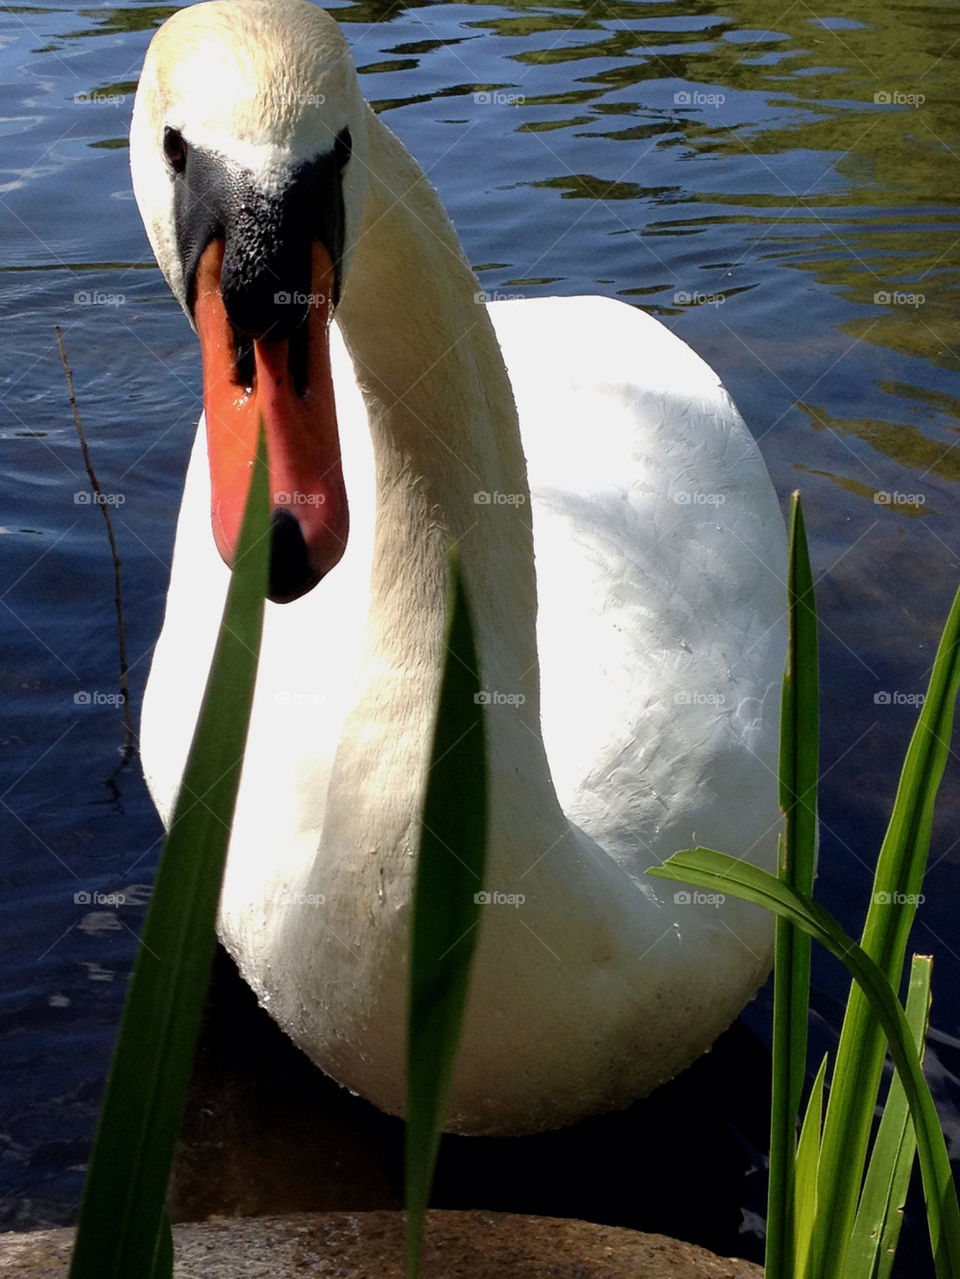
(777, 187)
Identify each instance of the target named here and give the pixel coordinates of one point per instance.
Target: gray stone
(369, 1245)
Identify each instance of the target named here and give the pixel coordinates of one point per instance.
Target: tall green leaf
(799, 737)
(719, 873)
(446, 906)
(808, 1159)
(898, 880)
(880, 1215)
(123, 1232)
(163, 1255)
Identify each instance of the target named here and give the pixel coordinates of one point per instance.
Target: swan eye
(343, 147)
(175, 149)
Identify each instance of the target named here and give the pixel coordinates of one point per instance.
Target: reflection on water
(776, 185)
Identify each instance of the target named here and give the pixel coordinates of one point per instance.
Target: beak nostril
(244, 360)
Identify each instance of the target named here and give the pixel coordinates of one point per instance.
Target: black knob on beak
(290, 572)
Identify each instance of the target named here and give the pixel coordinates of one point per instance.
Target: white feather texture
(634, 714)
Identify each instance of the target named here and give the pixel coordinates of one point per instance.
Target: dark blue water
(777, 188)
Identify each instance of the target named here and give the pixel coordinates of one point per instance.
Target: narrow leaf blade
(163, 1257)
(120, 1232)
(808, 1159)
(880, 1214)
(446, 912)
(799, 735)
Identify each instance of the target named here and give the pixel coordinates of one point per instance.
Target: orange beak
(293, 392)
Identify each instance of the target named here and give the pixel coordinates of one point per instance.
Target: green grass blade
(163, 1257)
(899, 878)
(719, 873)
(805, 1188)
(799, 737)
(446, 914)
(880, 1215)
(122, 1213)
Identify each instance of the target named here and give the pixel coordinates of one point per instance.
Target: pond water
(777, 185)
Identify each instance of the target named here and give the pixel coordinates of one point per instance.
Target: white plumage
(658, 552)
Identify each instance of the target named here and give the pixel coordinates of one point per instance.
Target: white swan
(631, 483)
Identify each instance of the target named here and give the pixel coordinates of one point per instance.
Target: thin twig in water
(128, 747)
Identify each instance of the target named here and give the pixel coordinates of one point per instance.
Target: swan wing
(661, 568)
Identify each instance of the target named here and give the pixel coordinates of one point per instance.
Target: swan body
(624, 555)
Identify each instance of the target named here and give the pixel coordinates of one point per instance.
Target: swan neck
(449, 464)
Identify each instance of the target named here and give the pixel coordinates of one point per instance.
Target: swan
(621, 544)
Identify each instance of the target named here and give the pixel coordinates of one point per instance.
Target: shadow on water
(265, 1132)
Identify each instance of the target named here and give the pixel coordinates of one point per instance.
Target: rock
(369, 1245)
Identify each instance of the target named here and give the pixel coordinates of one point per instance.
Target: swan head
(246, 150)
